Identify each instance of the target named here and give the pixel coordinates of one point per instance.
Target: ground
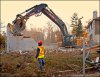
(58, 64)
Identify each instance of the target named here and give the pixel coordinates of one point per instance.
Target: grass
(26, 65)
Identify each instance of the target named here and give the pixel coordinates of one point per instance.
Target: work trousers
(41, 63)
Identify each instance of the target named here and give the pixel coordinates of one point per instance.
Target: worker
(40, 55)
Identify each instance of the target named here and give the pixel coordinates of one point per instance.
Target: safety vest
(41, 53)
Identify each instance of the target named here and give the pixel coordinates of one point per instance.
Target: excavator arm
(51, 15)
(19, 23)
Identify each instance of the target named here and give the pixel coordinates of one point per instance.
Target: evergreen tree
(74, 22)
(79, 31)
(76, 25)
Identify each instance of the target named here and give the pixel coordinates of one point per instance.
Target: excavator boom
(19, 23)
(20, 20)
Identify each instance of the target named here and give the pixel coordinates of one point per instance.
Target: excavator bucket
(18, 25)
(12, 30)
(10, 26)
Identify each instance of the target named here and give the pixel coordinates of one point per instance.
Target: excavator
(19, 24)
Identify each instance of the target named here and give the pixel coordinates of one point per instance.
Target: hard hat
(40, 42)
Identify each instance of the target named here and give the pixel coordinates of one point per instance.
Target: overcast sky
(64, 9)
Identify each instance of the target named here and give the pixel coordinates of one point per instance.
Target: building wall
(94, 32)
(97, 31)
(93, 24)
(97, 38)
(97, 27)
(15, 43)
(20, 43)
(91, 31)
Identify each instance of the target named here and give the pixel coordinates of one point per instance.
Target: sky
(63, 9)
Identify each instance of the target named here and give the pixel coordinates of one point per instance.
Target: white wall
(19, 43)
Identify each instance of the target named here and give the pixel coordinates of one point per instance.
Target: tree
(58, 35)
(79, 31)
(50, 36)
(76, 25)
(2, 41)
(36, 33)
(2, 37)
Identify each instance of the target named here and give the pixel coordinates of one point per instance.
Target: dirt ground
(58, 64)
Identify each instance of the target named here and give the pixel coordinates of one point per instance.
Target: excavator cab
(70, 41)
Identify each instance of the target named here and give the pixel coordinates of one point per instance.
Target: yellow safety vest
(41, 53)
